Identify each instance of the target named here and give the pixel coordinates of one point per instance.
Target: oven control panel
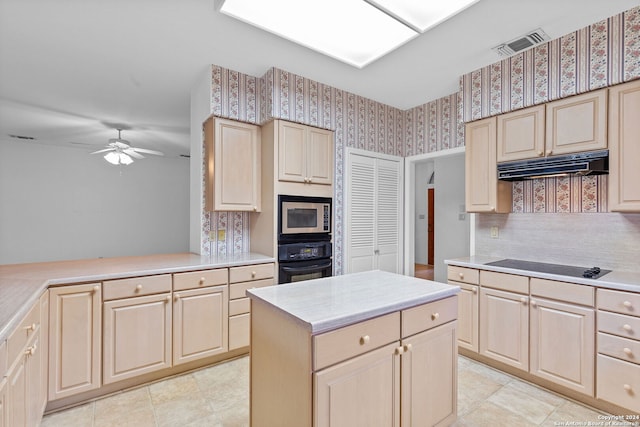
(304, 251)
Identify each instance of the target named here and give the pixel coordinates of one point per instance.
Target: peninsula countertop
(619, 280)
(333, 302)
(22, 284)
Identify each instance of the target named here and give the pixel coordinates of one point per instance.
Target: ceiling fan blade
(102, 151)
(132, 153)
(144, 150)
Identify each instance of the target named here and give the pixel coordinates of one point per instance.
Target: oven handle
(303, 269)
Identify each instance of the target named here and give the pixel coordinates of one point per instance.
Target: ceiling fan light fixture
(118, 158)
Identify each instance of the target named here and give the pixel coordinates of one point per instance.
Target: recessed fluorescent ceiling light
(352, 31)
(421, 14)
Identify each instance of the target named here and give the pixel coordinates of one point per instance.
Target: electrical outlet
(494, 232)
(222, 234)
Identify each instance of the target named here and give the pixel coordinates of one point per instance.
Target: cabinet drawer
(619, 302)
(199, 279)
(251, 272)
(350, 341)
(619, 324)
(238, 290)
(620, 348)
(3, 360)
(427, 316)
(504, 281)
(239, 331)
(463, 274)
(239, 306)
(619, 382)
(563, 291)
(22, 333)
(136, 286)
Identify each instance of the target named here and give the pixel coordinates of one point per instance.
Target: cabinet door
(292, 152)
(483, 191)
(75, 326)
(233, 165)
(3, 403)
(319, 156)
(199, 323)
(521, 134)
(577, 123)
(563, 344)
(44, 350)
(467, 316)
(361, 392)
(504, 327)
(17, 393)
(33, 371)
(624, 150)
(137, 336)
(429, 377)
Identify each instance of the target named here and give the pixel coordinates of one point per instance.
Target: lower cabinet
(75, 339)
(504, 327)
(199, 323)
(3, 403)
(136, 337)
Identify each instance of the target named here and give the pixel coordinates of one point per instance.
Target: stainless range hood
(587, 163)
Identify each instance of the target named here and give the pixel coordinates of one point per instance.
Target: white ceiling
(73, 70)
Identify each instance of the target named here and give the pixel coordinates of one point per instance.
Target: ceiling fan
(120, 152)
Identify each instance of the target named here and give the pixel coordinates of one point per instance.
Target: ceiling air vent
(521, 43)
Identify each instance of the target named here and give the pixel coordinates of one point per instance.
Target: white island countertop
(333, 302)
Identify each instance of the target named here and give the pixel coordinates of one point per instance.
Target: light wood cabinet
(4, 422)
(624, 150)
(618, 360)
(305, 154)
(504, 319)
(200, 323)
(137, 336)
(75, 339)
(399, 369)
(233, 162)
(577, 123)
(483, 191)
(521, 134)
(468, 305)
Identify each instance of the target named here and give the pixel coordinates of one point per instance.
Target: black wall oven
(304, 238)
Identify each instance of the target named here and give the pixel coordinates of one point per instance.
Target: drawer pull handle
(627, 387)
(627, 304)
(399, 350)
(365, 340)
(201, 281)
(138, 288)
(627, 327)
(408, 347)
(435, 316)
(627, 351)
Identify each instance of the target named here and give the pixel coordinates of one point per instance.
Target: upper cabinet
(624, 149)
(305, 154)
(521, 134)
(578, 123)
(483, 191)
(232, 155)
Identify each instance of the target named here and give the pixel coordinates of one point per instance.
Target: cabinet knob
(138, 288)
(365, 340)
(253, 274)
(627, 351)
(30, 351)
(30, 328)
(627, 304)
(533, 303)
(399, 350)
(540, 153)
(201, 281)
(474, 290)
(461, 275)
(627, 387)
(549, 152)
(408, 347)
(96, 288)
(168, 298)
(523, 300)
(176, 297)
(493, 208)
(626, 327)
(435, 316)
(255, 208)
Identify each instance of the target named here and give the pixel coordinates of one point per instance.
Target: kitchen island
(363, 349)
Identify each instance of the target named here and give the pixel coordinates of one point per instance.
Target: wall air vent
(521, 43)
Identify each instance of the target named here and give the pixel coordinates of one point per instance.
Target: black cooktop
(541, 267)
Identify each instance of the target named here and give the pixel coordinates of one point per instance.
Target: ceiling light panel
(422, 15)
(351, 31)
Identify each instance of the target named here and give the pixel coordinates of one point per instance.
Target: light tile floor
(218, 396)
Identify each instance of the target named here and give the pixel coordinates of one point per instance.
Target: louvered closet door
(361, 214)
(374, 213)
